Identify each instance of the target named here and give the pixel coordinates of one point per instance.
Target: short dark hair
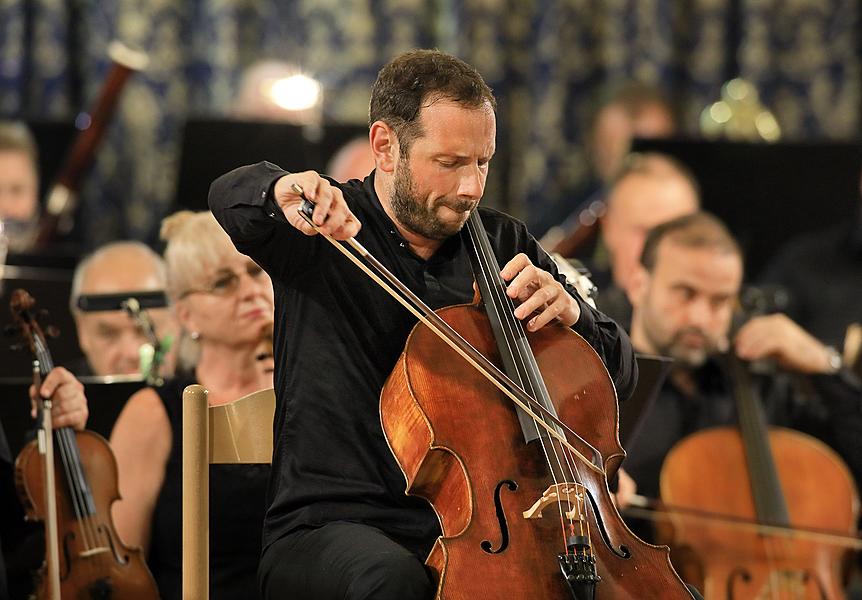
(413, 79)
(697, 230)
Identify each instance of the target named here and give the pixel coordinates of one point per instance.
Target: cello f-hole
(740, 573)
(622, 551)
(486, 545)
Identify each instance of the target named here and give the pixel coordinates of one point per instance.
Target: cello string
(454, 340)
(763, 480)
(507, 314)
(515, 338)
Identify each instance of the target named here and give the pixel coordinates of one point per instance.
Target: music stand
(212, 147)
(652, 371)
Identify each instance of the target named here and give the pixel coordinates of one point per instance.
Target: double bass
(515, 464)
(797, 492)
(85, 558)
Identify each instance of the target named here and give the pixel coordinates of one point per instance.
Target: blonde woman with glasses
(224, 303)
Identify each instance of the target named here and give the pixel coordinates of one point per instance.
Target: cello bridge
(93, 551)
(572, 494)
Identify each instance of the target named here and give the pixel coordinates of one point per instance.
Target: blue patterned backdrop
(545, 60)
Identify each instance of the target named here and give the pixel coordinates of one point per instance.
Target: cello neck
(769, 501)
(515, 352)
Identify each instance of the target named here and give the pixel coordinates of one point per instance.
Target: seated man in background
(111, 340)
(684, 297)
(650, 189)
(19, 184)
(353, 160)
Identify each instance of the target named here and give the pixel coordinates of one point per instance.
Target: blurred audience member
(111, 340)
(625, 112)
(634, 110)
(224, 302)
(650, 189)
(19, 184)
(353, 160)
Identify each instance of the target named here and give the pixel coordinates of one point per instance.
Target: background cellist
(684, 297)
(339, 524)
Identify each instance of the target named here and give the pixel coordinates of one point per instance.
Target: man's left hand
(69, 405)
(538, 292)
(778, 337)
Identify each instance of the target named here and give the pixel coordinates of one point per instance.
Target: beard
(673, 344)
(689, 356)
(415, 215)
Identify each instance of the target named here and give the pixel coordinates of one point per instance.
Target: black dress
(237, 506)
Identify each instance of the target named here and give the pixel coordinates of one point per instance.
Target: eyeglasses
(226, 282)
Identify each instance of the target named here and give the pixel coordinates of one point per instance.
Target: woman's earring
(195, 335)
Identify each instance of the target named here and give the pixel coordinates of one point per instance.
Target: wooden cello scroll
(92, 562)
(514, 524)
(62, 198)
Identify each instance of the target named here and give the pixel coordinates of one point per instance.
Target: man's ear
(637, 287)
(384, 146)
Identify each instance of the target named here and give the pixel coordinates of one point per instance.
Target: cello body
(458, 442)
(735, 564)
(93, 563)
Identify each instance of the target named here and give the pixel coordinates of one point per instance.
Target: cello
(85, 559)
(776, 478)
(513, 463)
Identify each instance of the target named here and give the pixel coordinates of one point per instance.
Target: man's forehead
(113, 319)
(645, 195)
(17, 164)
(457, 129)
(715, 266)
(118, 319)
(114, 274)
(444, 117)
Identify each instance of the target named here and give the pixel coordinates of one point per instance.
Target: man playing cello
(339, 524)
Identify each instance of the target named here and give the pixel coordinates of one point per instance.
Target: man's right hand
(331, 214)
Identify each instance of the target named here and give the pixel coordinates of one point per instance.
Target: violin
(510, 436)
(777, 508)
(85, 559)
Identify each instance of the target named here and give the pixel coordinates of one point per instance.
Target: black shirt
(337, 337)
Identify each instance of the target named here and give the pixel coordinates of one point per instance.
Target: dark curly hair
(412, 80)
